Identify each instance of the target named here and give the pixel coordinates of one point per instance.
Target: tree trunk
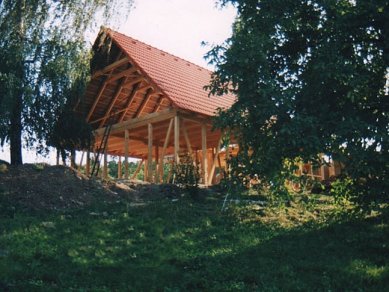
(16, 128)
(16, 132)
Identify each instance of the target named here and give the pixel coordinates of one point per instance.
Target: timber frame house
(154, 105)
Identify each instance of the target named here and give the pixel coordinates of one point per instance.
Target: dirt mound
(45, 187)
(50, 187)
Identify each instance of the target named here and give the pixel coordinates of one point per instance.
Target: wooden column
(126, 134)
(105, 167)
(87, 167)
(215, 159)
(150, 153)
(120, 167)
(176, 139)
(145, 174)
(165, 144)
(156, 164)
(204, 158)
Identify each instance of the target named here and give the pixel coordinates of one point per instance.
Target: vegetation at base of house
(185, 244)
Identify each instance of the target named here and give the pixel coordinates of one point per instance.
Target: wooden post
(156, 164)
(150, 153)
(120, 167)
(105, 168)
(145, 174)
(176, 138)
(126, 134)
(188, 144)
(169, 129)
(137, 169)
(57, 160)
(87, 167)
(204, 158)
(215, 159)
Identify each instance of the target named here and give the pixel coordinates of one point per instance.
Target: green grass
(192, 245)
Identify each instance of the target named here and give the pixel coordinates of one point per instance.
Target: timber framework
(151, 105)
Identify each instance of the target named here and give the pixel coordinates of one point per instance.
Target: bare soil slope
(57, 187)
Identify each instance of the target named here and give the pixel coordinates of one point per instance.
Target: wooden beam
(141, 107)
(130, 98)
(139, 122)
(109, 68)
(158, 104)
(126, 134)
(150, 153)
(186, 138)
(169, 129)
(125, 73)
(99, 94)
(131, 82)
(137, 169)
(176, 139)
(112, 103)
(204, 158)
(215, 158)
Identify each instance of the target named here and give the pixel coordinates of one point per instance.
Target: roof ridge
(167, 53)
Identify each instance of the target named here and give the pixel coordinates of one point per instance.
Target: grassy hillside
(184, 244)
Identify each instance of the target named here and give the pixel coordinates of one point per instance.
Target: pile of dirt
(45, 187)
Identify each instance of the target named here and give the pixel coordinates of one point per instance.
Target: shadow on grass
(188, 246)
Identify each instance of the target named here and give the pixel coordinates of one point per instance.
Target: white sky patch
(179, 26)
(175, 26)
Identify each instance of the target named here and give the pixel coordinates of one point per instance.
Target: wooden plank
(126, 134)
(150, 153)
(215, 158)
(176, 139)
(130, 99)
(137, 169)
(139, 122)
(145, 100)
(110, 67)
(125, 73)
(204, 158)
(112, 102)
(169, 129)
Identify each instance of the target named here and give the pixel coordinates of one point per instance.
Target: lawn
(186, 244)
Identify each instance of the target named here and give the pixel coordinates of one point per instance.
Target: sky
(176, 26)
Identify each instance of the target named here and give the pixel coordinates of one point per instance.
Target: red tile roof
(182, 81)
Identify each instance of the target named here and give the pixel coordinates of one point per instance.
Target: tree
(41, 56)
(311, 78)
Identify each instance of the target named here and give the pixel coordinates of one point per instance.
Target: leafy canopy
(43, 61)
(311, 78)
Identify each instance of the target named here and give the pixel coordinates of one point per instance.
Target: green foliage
(310, 78)
(43, 63)
(186, 174)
